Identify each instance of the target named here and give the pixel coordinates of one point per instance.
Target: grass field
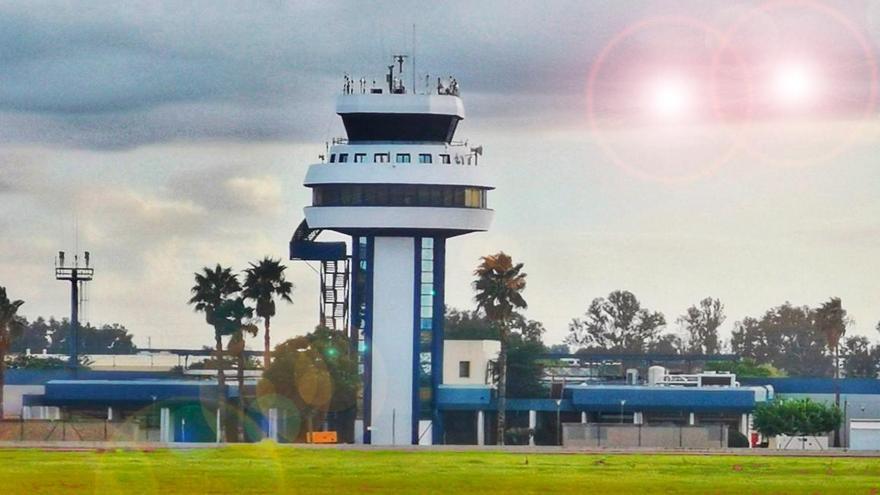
(268, 468)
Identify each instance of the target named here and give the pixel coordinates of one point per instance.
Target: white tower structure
(400, 187)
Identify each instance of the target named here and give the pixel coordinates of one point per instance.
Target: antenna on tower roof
(414, 59)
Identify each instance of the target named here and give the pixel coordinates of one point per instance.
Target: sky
(676, 149)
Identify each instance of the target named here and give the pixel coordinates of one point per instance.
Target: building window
(444, 159)
(398, 195)
(424, 158)
(464, 369)
(333, 158)
(381, 158)
(343, 158)
(403, 158)
(360, 157)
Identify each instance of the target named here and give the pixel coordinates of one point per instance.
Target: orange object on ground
(321, 437)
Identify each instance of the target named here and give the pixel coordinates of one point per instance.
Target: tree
(499, 286)
(11, 327)
(236, 318)
(212, 288)
(106, 339)
(795, 417)
(860, 359)
(831, 321)
(524, 368)
(785, 337)
(262, 283)
(35, 337)
(618, 323)
(315, 374)
(745, 367)
(701, 323)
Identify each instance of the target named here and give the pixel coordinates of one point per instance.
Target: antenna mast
(414, 59)
(77, 276)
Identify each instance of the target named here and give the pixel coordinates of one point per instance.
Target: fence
(81, 431)
(662, 437)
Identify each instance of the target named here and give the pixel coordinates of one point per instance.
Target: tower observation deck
(400, 186)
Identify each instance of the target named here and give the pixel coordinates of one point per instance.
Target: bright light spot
(794, 84)
(669, 98)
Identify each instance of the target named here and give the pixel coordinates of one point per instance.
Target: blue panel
(368, 341)
(599, 398)
(316, 251)
(463, 397)
(437, 336)
(416, 339)
(103, 391)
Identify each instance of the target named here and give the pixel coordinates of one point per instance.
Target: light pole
(622, 403)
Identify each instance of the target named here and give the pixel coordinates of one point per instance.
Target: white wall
(478, 352)
(12, 397)
(393, 272)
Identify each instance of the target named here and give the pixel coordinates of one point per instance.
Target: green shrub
(796, 417)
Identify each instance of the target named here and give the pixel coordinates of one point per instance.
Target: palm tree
(236, 318)
(831, 320)
(212, 288)
(11, 327)
(499, 285)
(263, 281)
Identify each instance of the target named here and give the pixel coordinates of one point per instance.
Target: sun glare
(794, 84)
(669, 98)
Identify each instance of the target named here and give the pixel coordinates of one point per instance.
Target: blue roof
(645, 398)
(59, 392)
(39, 377)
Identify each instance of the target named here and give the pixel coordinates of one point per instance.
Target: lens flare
(669, 98)
(794, 84)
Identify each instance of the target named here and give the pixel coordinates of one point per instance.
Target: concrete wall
(12, 396)
(477, 352)
(392, 373)
(581, 435)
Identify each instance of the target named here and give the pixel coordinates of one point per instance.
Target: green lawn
(268, 468)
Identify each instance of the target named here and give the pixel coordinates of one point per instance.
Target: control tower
(400, 186)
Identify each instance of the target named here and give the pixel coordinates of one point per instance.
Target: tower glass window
(343, 158)
(360, 157)
(332, 157)
(402, 158)
(424, 158)
(444, 159)
(398, 195)
(426, 325)
(381, 158)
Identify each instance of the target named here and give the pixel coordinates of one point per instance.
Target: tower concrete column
(481, 428)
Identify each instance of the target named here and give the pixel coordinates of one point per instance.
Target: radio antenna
(414, 58)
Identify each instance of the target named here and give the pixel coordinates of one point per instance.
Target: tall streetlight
(622, 403)
(76, 275)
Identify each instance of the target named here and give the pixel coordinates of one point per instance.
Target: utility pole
(76, 275)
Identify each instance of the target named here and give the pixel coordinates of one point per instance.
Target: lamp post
(622, 403)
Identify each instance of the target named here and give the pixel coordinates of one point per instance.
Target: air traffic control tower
(400, 186)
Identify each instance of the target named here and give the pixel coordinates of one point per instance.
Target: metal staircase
(334, 274)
